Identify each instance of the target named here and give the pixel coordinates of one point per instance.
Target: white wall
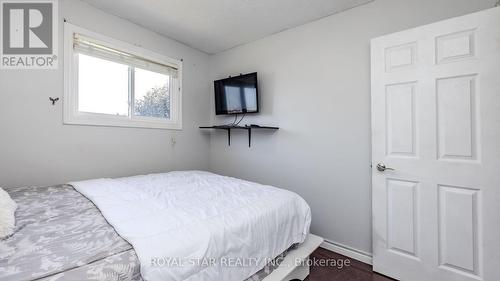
(315, 84)
(37, 149)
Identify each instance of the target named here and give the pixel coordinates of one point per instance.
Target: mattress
(61, 235)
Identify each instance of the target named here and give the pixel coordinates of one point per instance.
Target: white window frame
(74, 117)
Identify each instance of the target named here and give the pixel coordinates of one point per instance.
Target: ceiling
(216, 25)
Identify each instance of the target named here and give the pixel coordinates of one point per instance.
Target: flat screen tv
(237, 95)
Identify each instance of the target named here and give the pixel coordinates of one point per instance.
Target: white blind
(88, 46)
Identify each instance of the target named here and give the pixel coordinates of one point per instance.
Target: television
(237, 95)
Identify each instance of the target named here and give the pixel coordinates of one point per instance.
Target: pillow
(7, 219)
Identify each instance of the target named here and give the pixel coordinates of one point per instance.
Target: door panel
(436, 122)
(402, 217)
(456, 46)
(400, 57)
(456, 107)
(458, 229)
(400, 114)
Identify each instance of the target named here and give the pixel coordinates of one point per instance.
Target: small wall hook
(53, 100)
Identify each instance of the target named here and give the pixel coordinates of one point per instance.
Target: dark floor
(356, 271)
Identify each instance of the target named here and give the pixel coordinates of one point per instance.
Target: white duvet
(200, 226)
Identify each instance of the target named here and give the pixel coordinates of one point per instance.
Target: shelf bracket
(249, 137)
(228, 136)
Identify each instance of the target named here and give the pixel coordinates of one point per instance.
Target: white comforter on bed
(200, 226)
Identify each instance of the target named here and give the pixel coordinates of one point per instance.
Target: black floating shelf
(249, 129)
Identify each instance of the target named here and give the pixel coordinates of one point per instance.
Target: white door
(436, 122)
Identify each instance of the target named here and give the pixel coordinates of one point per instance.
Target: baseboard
(347, 251)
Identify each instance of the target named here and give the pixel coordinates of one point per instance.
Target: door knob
(381, 167)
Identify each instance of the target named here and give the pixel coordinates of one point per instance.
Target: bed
(62, 234)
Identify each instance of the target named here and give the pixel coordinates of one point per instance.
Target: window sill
(111, 121)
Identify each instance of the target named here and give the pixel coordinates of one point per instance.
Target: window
(111, 83)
